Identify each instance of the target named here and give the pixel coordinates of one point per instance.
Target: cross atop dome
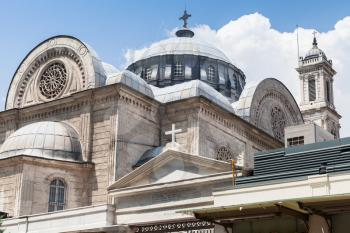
(184, 31)
(314, 43)
(185, 17)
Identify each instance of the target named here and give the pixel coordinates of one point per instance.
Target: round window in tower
(53, 80)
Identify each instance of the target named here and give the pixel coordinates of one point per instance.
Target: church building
(85, 147)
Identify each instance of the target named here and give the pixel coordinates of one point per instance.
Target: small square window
(296, 141)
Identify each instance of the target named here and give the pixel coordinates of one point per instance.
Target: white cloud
(261, 51)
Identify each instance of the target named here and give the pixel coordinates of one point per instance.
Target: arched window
(178, 70)
(211, 73)
(312, 89)
(57, 195)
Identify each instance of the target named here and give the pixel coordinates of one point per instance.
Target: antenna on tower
(298, 42)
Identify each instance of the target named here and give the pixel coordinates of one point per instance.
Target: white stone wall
(9, 187)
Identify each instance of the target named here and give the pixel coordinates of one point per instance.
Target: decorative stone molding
(224, 153)
(236, 128)
(68, 66)
(270, 106)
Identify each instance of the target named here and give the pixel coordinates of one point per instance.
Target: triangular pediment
(171, 166)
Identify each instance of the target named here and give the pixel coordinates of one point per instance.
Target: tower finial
(314, 43)
(185, 17)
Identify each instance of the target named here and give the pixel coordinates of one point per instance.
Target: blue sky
(113, 27)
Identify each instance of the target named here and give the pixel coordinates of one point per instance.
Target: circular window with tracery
(53, 80)
(278, 122)
(224, 154)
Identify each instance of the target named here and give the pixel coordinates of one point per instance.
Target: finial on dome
(185, 32)
(314, 43)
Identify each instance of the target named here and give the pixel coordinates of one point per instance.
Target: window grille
(211, 73)
(56, 195)
(178, 70)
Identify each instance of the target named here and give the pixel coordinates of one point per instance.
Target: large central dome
(185, 58)
(182, 46)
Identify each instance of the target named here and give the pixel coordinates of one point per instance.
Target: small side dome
(109, 69)
(47, 139)
(131, 80)
(191, 89)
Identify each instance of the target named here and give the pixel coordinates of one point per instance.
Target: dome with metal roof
(315, 52)
(184, 58)
(182, 46)
(46, 139)
(191, 89)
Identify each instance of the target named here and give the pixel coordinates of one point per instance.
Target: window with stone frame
(211, 73)
(312, 89)
(57, 195)
(148, 74)
(223, 153)
(178, 70)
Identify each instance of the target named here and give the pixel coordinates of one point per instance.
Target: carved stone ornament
(53, 80)
(224, 154)
(278, 122)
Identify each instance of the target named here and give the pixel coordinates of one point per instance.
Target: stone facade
(117, 118)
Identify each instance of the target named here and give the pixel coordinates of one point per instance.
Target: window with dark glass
(328, 90)
(211, 73)
(312, 89)
(56, 195)
(295, 141)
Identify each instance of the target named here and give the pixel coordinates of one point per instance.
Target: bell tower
(316, 88)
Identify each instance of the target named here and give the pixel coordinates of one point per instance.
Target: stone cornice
(165, 157)
(25, 159)
(77, 101)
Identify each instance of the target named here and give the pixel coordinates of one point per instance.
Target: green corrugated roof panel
(298, 162)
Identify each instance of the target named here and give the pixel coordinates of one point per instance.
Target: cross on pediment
(185, 17)
(173, 132)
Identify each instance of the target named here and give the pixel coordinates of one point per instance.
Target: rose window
(278, 122)
(53, 80)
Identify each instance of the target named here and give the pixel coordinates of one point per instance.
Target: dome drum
(170, 69)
